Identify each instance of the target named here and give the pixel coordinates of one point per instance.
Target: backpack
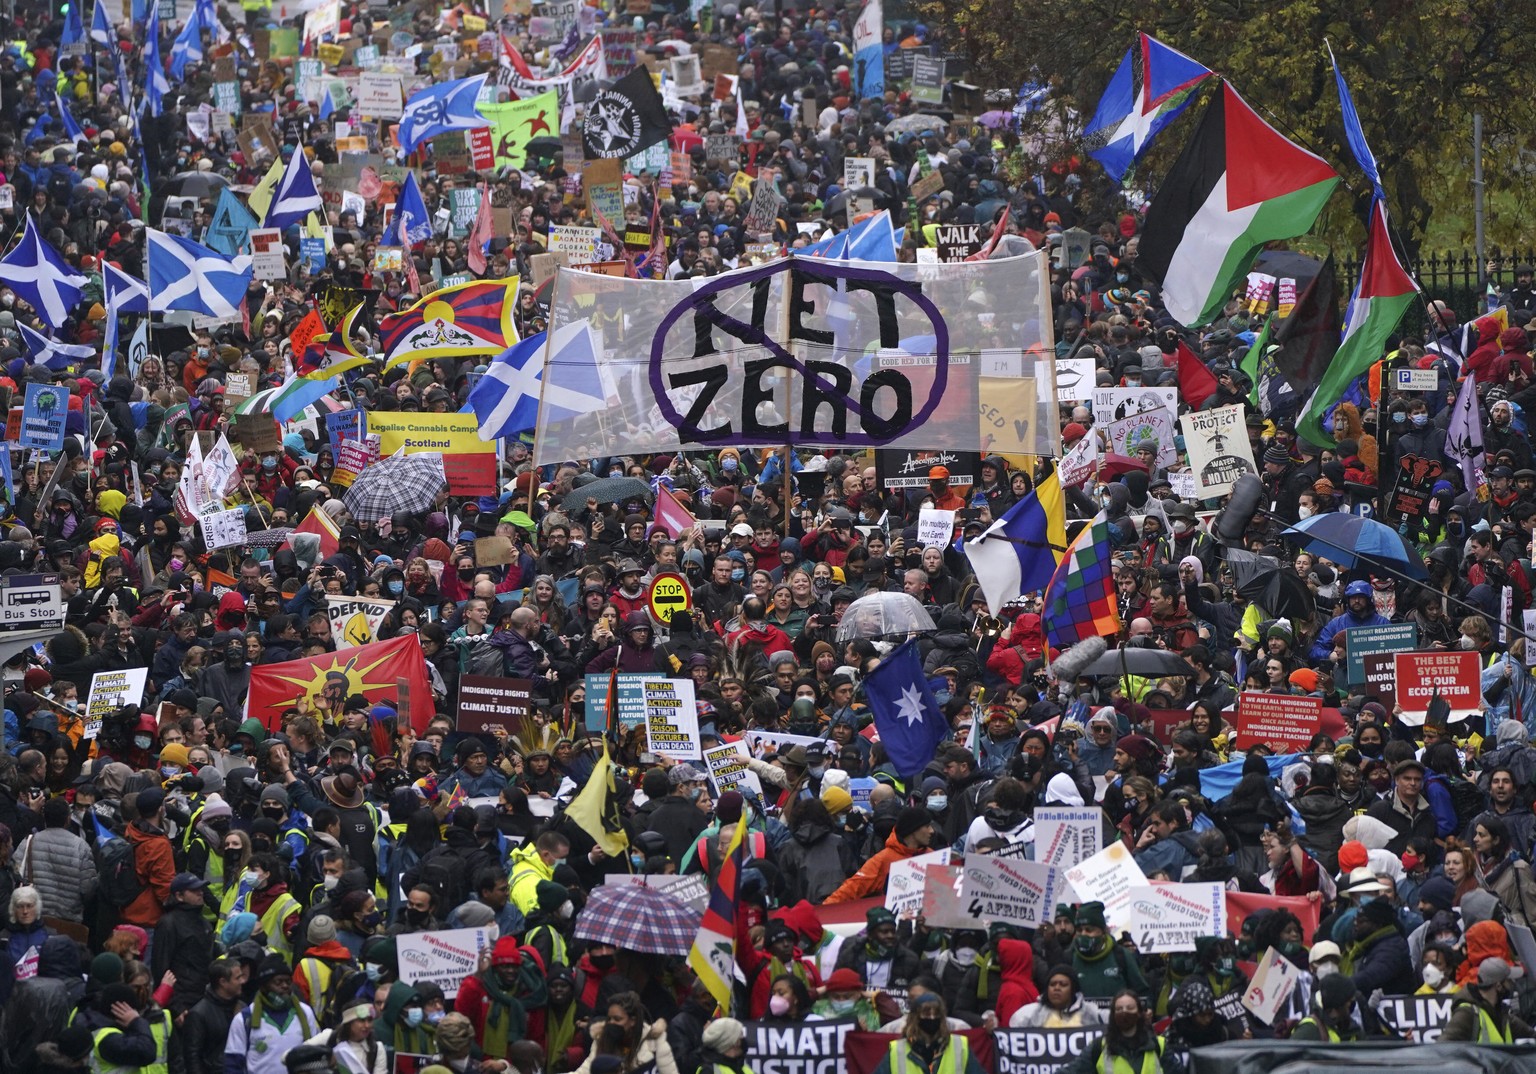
(348, 980)
(120, 883)
(1467, 801)
(444, 873)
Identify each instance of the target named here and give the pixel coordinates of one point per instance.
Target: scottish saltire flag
(713, 955)
(156, 85)
(506, 401)
(41, 278)
(185, 275)
(411, 212)
(1080, 599)
(188, 46)
(871, 239)
(869, 50)
(296, 196)
(72, 129)
(125, 293)
(1132, 111)
(907, 715)
(51, 353)
(74, 25)
(1018, 553)
(101, 28)
(448, 106)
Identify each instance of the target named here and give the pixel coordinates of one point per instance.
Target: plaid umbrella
(638, 919)
(398, 483)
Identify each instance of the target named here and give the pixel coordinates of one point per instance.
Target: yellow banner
(469, 463)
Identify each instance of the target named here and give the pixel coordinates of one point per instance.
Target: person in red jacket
(763, 965)
(1025, 641)
(153, 860)
(755, 630)
(498, 999)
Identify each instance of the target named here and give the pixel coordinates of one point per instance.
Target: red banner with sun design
(325, 682)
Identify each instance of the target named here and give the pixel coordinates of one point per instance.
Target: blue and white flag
(72, 129)
(121, 293)
(907, 714)
(1130, 115)
(869, 50)
(188, 46)
(871, 239)
(74, 25)
(1354, 134)
(156, 85)
(41, 278)
(448, 106)
(101, 28)
(327, 103)
(506, 400)
(411, 218)
(51, 353)
(185, 275)
(296, 195)
(230, 229)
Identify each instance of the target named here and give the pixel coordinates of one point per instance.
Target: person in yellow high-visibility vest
(1332, 1017)
(926, 1045)
(1478, 1012)
(1128, 1045)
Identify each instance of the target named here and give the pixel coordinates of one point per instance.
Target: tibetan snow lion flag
(461, 321)
(1238, 184)
(325, 682)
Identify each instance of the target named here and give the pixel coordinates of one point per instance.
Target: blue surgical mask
(413, 1016)
(396, 586)
(1399, 417)
(738, 574)
(372, 971)
(1420, 420)
(937, 803)
(434, 1017)
(615, 473)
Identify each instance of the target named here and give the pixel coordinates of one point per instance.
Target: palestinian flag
(1238, 185)
(1384, 294)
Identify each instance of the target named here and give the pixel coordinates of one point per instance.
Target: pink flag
(671, 515)
(481, 233)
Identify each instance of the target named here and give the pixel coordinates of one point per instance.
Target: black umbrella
(1136, 661)
(607, 490)
(1280, 591)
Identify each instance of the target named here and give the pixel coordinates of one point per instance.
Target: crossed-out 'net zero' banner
(803, 351)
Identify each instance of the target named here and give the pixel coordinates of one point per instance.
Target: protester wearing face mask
(1439, 971)
(263, 890)
(1102, 966)
(844, 996)
(324, 965)
(403, 1022)
(548, 928)
(274, 1023)
(928, 1043)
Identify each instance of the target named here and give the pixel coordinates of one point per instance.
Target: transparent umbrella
(880, 615)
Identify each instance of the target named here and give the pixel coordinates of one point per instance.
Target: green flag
(1250, 363)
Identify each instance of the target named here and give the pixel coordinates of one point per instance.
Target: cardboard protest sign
(944, 904)
(1010, 890)
(935, 528)
(355, 620)
(630, 700)
(1360, 641)
(1219, 452)
(1067, 835)
(443, 957)
(1157, 427)
(1456, 677)
(728, 771)
(1074, 378)
(904, 888)
(1108, 877)
(488, 702)
(1284, 723)
(672, 719)
(110, 691)
(1112, 404)
(858, 172)
(1170, 917)
(1272, 985)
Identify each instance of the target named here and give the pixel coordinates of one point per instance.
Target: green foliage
(1417, 68)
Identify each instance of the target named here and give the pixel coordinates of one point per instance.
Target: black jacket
(184, 945)
(204, 1033)
(815, 862)
(679, 822)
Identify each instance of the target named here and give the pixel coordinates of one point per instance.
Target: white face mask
(1325, 969)
(1468, 642)
(567, 908)
(1433, 975)
(1304, 512)
(965, 956)
(330, 882)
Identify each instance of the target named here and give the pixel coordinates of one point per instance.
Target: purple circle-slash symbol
(876, 430)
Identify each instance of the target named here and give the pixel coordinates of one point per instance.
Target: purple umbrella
(996, 118)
